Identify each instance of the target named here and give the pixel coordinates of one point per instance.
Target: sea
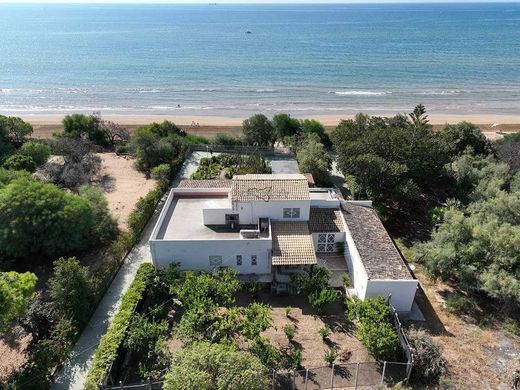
(234, 60)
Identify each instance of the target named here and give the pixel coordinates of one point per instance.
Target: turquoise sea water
(305, 59)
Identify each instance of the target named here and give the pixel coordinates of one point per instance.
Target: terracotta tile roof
(326, 220)
(270, 187)
(292, 243)
(375, 247)
(216, 183)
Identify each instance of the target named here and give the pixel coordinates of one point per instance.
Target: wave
(360, 93)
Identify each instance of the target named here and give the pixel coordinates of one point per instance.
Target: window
(325, 243)
(215, 261)
(291, 212)
(239, 260)
(253, 259)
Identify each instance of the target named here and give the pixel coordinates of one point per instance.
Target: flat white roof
(183, 220)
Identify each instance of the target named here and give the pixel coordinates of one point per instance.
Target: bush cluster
(314, 284)
(375, 328)
(112, 339)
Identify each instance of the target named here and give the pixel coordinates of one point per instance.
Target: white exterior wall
(338, 237)
(402, 292)
(194, 254)
(249, 212)
(215, 216)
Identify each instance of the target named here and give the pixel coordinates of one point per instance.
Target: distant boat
(248, 32)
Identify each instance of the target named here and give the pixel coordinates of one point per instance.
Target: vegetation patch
(228, 165)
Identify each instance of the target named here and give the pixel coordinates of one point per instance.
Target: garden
(195, 330)
(227, 165)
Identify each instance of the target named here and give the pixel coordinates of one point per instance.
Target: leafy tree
(312, 126)
(259, 131)
(313, 158)
(85, 126)
(257, 318)
(39, 318)
(15, 291)
(71, 290)
(312, 279)
(20, 162)
(429, 366)
(38, 151)
(227, 139)
(465, 135)
(391, 160)
(507, 150)
(105, 226)
(14, 130)
(38, 219)
(157, 144)
(375, 329)
(114, 133)
(268, 355)
(285, 125)
(216, 366)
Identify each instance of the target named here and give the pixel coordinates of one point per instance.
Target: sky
(254, 1)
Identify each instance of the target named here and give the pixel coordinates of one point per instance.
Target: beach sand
(46, 125)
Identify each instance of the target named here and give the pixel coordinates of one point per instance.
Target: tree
(320, 299)
(38, 219)
(38, 151)
(259, 131)
(391, 160)
(78, 166)
(105, 226)
(20, 162)
(216, 366)
(465, 135)
(311, 280)
(429, 366)
(114, 133)
(14, 130)
(312, 126)
(8, 175)
(313, 158)
(85, 126)
(15, 291)
(161, 173)
(157, 144)
(71, 290)
(285, 125)
(508, 151)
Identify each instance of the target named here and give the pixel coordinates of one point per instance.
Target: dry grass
(477, 355)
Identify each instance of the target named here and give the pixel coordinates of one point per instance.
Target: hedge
(143, 211)
(111, 340)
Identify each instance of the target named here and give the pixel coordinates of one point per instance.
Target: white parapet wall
(401, 292)
(195, 254)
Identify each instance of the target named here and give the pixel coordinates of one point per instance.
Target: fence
(342, 376)
(241, 149)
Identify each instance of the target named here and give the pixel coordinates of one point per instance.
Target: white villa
(269, 226)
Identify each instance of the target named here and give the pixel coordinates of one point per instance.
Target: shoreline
(327, 120)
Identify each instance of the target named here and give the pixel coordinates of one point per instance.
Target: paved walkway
(74, 373)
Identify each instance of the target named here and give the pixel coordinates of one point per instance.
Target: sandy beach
(46, 125)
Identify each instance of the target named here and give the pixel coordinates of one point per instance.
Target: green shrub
(268, 355)
(512, 327)
(429, 366)
(20, 162)
(16, 289)
(38, 151)
(379, 339)
(216, 367)
(319, 300)
(42, 220)
(345, 278)
(288, 310)
(375, 329)
(8, 175)
(459, 304)
(330, 355)
(289, 331)
(313, 279)
(105, 226)
(71, 290)
(252, 287)
(227, 139)
(161, 173)
(324, 332)
(143, 211)
(294, 360)
(109, 343)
